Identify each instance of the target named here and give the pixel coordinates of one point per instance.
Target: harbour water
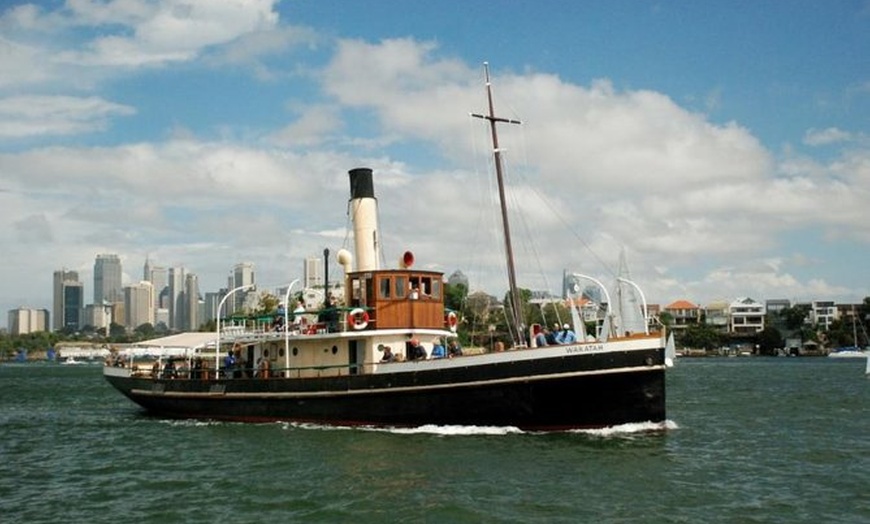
(748, 440)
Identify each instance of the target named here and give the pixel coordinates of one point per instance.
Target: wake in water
(430, 429)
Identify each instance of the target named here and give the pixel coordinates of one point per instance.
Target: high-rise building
(176, 298)
(26, 320)
(157, 275)
(243, 275)
(139, 304)
(312, 271)
(107, 280)
(191, 302)
(212, 301)
(68, 303)
(98, 316)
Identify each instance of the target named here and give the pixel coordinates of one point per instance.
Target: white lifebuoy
(451, 321)
(358, 318)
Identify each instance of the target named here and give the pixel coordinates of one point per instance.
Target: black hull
(571, 391)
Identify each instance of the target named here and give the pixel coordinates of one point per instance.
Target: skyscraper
(191, 302)
(243, 275)
(68, 300)
(157, 276)
(176, 298)
(27, 320)
(139, 304)
(107, 280)
(313, 272)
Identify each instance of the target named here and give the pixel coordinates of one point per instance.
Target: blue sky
(724, 146)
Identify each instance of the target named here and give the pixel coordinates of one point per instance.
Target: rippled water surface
(748, 440)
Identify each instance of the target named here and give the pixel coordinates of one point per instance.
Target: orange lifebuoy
(358, 318)
(451, 321)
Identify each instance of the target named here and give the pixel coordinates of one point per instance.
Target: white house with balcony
(747, 316)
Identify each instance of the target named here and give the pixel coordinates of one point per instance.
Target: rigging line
(607, 267)
(524, 149)
(525, 162)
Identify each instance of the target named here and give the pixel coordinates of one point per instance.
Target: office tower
(68, 295)
(107, 280)
(313, 272)
(243, 275)
(191, 302)
(157, 275)
(25, 320)
(212, 301)
(176, 298)
(98, 316)
(139, 304)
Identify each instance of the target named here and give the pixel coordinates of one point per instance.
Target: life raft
(358, 318)
(451, 321)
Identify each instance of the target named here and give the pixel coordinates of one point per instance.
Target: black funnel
(361, 185)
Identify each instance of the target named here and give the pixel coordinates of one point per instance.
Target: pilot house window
(385, 287)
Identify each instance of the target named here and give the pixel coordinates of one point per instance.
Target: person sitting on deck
(566, 336)
(438, 350)
(389, 356)
(551, 335)
(414, 350)
(541, 338)
(454, 349)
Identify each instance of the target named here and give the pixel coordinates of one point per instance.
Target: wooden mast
(509, 253)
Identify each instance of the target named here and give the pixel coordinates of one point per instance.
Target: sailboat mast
(509, 253)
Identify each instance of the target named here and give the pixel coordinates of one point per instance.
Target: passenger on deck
(389, 356)
(155, 369)
(169, 369)
(414, 350)
(541, 338)
(438, 350)
(566, 336)
(229, 364)
(551, 335)
(263, 365)
(454, 349)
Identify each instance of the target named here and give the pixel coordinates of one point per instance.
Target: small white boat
(71, 361)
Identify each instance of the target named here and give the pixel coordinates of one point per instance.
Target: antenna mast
(509, 253)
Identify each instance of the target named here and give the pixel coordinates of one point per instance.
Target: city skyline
(242, 273)
(723, 146)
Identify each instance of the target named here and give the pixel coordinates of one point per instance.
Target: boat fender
(358, 318)
(451, 321)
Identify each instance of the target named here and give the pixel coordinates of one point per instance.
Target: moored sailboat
(336, 372)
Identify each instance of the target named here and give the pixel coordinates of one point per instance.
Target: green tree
(701, 336)
(144, 331)
(769, 340)
(267, 303)
(454, 296)
(795, 316)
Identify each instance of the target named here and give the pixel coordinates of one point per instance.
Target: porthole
(334, 350)
(295, 351)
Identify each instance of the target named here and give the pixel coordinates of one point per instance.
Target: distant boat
(71, 361)
(851, 351)
(670, 351)
(848, 352)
